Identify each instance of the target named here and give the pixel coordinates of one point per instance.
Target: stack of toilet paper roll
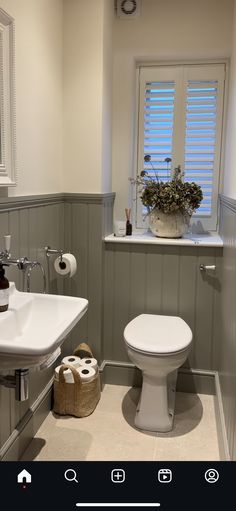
(86, 367)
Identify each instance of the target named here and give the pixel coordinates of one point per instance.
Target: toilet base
(155, 410)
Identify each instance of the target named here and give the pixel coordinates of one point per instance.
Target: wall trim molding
(33, 201)
(91, 198)
(185, 370)
(228, 202)
(30, 201)
(189, 380)
(25, 430)
(220, 422)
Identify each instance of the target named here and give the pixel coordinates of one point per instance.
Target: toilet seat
(156, 334)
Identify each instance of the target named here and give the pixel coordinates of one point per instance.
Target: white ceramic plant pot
(168, 225)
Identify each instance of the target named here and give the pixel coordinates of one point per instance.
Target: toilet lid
(152, 333)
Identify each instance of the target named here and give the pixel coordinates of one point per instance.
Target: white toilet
(158, 345)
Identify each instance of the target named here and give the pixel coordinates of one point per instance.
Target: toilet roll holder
(61, 262)
(54, 251)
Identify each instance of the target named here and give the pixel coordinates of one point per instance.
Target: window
(180, 117)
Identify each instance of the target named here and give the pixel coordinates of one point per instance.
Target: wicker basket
(83, 350)
(78, 398)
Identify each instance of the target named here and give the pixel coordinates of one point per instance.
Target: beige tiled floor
(109, 433)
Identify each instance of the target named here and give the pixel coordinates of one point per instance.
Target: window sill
(147, 238)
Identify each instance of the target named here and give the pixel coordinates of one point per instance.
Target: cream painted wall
(167, 30)
(107, 95)
(38, 26)
(229, 187)
(87, 95)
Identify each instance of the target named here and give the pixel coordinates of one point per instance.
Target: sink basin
(35, 325)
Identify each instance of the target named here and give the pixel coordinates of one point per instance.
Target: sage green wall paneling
(67, 240)
(187, 291)
(52, 235)
(108, 281)
(11, 225)
(87, 220)
(23, 248)
(4, 227)
(108, 306)
(79, 283)
(44, 230)
(61, 237)
(5, 394)
(31, 229)
(67, 347)
(205, 287)
(120, 282)
(122, 299)
(95, 278)
(79, 247)
(48, 236)
(34, 215)
(227, 351)
(138, 279)
(161, 280)
(76, 224)
(170, 291)
(217, 312)
(154, 287)
(13, 274)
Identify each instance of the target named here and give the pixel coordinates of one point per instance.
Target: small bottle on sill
(128, 223)
(128, 228)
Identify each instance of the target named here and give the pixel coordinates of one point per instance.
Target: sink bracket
(19, 382)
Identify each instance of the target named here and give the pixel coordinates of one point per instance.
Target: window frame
(199, 223)
(8, 160)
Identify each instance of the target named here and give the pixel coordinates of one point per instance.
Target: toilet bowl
(158, 345)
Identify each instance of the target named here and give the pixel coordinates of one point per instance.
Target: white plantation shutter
(180, 117)
(158, 125)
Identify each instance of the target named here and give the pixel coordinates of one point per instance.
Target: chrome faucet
(31, 265)
(22, 263)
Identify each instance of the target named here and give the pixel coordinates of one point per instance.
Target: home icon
(24, 477)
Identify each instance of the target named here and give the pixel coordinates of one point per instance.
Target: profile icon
(212, 475)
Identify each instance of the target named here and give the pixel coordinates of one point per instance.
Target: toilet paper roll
(69, 378)
(89, 362)
(66, 265)
(72, 360)
(86, 373)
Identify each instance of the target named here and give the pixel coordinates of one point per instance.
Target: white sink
(35, 325)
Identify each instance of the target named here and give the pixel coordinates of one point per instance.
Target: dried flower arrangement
(170, 196)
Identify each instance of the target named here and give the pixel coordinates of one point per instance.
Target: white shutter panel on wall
(180, 117)
(201, 138)
(203, 122)
(159, 91)
(158, 126)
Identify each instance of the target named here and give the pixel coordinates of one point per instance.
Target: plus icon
(118, 475)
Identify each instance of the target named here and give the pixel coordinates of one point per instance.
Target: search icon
(70, 475)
